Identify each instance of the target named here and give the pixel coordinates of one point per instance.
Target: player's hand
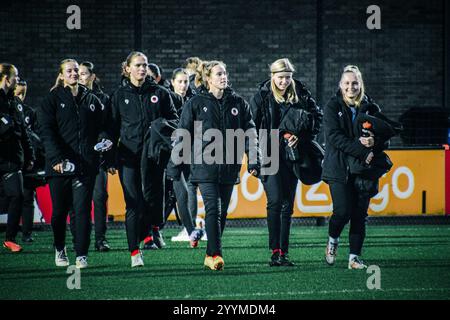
(58, 167)
(293, 141)
(367, 142)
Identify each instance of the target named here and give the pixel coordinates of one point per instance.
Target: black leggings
(349, 205)
(100, 196)
(280, 191)
(28, 211)
(11, 190)
(186, 194)
(216, 198)
(142, 210)
(67, 193)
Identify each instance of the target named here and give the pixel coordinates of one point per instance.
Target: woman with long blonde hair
(216, 106)
(344, 145)
(71, 122)
(16, 154)
(275, 97)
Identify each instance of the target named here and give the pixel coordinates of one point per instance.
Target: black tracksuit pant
(100, 197)
(216, 198)
(67, 193)
(349, 205)
(12, 193)
(27, 210)
(280, 191)
(186, 194)
(141, 214)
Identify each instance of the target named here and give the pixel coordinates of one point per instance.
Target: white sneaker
(200, 224)
(181, 236)
(61, 259)
(81, 262)
(357, 264)
(331, 253)
(137, 261)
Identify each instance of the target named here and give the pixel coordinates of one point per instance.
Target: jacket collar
(228, 92)
(65, 93)
(148, 83)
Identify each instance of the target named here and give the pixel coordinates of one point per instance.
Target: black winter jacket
(30, 119)
(342, 138)
(69, 128)
(132, 111)
(178, 100)
(232, 112)
(15, 145)
(264, 106)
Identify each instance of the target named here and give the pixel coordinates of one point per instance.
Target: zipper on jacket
(141, 104)
(77, 108)
(222, 130)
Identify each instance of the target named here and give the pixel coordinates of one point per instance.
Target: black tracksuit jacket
(264, 106)
(233, 112)
(132, 111)
(15, 146)
(30, 119)
(69, 128)
(179, 101)
(342, 138)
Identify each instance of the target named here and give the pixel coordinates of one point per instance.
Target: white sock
(352, 256)
(333, 240)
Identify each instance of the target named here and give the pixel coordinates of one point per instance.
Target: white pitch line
(302, 293)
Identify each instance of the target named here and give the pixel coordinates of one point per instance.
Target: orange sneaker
(12, 246)
(214, 263)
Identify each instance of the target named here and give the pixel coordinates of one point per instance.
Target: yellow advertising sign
(415, 184)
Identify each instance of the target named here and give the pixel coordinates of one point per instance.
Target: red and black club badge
(154, 99)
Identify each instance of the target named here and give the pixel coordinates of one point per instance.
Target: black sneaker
(27, 239)
(158, 239)
(285, 262)
(102, 246)
(150, 245)
(275, 260)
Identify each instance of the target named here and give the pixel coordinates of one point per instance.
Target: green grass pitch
(414, 263)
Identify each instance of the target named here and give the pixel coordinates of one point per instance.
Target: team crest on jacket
(92, 107)
(62, 105)
(19, 107)
(205, 109)
(154, 99)
(234, 111)
(127, 101)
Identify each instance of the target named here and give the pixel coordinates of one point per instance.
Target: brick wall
(402, 63)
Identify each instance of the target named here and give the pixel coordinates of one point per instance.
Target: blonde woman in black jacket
(215, 108)
(16, 153)
(71, 124)
(344, 146)
(269, 106)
